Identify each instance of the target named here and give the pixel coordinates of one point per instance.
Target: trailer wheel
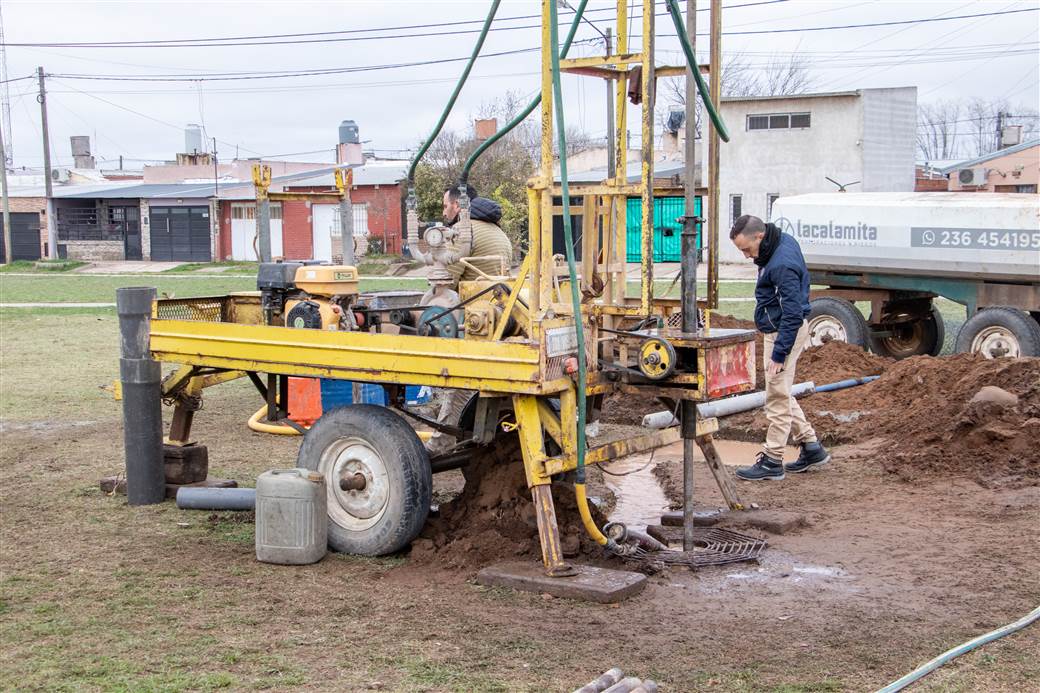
(380, 454)
(915, 337)
(835, 319)
(1000, 331)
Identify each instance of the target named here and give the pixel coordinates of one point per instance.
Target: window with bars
(240, 210)
(360, 220)
(736, 204)
(779, 121)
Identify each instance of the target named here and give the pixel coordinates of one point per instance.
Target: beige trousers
(785, 416)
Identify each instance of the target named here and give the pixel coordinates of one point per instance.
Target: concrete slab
(117, 484)
(601, 585)
(771, 521)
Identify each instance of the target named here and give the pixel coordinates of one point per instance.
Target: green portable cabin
(667, 230)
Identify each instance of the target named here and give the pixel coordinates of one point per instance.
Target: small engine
(308, 295)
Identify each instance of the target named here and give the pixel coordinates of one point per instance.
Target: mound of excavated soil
(836, 361)
(922, 409)
(493, 519)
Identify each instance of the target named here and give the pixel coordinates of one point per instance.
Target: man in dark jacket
(781, 309)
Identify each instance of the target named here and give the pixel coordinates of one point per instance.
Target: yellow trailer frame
(219, 338)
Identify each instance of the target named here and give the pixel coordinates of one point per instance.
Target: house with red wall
(303, 230)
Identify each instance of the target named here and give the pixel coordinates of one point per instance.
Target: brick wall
(297, 242)
(30, 205)
(224, 232)
(384, 212)
(94, 251)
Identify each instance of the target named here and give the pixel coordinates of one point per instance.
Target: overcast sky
(990, 57)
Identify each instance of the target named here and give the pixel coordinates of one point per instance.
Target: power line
(152, 118)
(348, 35)
(281, 74)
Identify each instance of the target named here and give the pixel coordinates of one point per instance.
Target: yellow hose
(278, 429)
(255, 424)
(586, 516)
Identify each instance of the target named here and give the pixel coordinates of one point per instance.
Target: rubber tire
(843, 311)
(931, 344)
(407, 466)
(1018, 322)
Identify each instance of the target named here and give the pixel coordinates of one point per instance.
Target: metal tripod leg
(722, 478)
(532, 444)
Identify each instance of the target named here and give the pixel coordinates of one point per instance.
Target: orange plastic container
(304, 400)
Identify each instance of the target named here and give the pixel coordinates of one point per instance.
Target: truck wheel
(381, 454)
(925, 335)
(1000, 331)
(835, 319)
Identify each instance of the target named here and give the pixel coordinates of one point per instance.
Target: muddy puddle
(640, 500)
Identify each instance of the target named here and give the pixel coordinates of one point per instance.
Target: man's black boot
(812, 455)
(765, 468)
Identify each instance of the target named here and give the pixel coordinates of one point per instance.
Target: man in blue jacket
(781, 309)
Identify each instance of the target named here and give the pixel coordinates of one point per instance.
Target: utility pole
(216, 185)
(6, 202)
(52, 225)
(610, 109)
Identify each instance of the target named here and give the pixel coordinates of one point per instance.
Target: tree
(937, 130)
(781, 75)
(967, 128)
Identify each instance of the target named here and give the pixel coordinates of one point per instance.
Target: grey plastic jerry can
(292, 521)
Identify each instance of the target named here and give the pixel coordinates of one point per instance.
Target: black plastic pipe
(140, 376)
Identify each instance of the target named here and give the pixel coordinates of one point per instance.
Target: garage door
(25, 237)
(180, 234)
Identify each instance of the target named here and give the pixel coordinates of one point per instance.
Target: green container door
(667, 231)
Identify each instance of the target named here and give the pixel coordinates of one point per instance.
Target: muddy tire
(835, 319)
(913, 338)
(390, 510)
(1000, 331)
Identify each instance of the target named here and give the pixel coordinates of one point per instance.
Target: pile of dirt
(936, 416)
(836, 361)
(493, 519)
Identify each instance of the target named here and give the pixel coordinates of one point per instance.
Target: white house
(790, 145)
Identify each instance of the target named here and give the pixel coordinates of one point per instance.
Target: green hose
(691, 60)
(455, 94)
(568, 235)
(530, 107)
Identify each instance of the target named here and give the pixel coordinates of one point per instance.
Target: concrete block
(601, 585)
(701, 518)
(185, 464)
(771, 521)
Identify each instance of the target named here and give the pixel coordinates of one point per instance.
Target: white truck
(899, 251)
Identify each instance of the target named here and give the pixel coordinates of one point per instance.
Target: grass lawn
(98, 595)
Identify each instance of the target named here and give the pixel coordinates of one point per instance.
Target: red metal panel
(730, 369)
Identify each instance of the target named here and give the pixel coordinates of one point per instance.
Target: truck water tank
(292, 520)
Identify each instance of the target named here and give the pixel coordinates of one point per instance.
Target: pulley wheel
(436, 321)
(656, 358)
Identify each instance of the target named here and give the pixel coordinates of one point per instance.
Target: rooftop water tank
(193, 139)
(348, 132)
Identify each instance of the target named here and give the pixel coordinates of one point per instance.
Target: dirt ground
(891, 570)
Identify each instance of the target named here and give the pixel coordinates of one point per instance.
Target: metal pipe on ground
(202, 498)
(140, 378)
(625, 685)
(723, 407)
(604, 681)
